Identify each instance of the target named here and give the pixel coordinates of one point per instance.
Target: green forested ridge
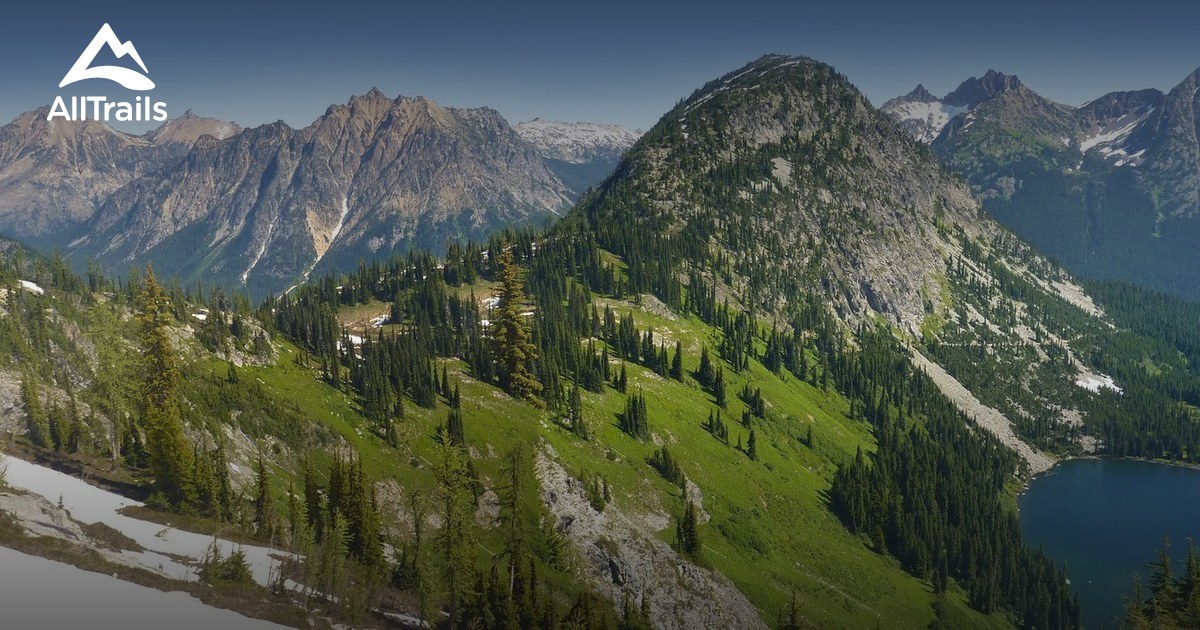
(794, 418)
(813, 351)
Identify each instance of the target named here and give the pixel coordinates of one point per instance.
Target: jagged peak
(372, 96)
(36, 122)
(920, 94)
(976, 90)
(1189, 83)
(188, 127)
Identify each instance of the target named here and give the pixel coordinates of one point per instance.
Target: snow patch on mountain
(928, 118)
(577, 142)
(1111, 140)
(341, 220)
(1095, 382)
(262, 249)
(1106, 138)
(32, 287)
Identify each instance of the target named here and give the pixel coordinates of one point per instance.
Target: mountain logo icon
(130, 79)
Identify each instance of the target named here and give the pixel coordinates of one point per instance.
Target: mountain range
(264, 207)
(782, 334)
(773, 226)
(1110, 188)
(581, 154)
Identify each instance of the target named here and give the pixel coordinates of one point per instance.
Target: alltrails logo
(143, 109)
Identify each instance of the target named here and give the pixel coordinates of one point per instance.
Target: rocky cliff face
(1171, 137)
(54, 174)
(622, 555)
(268, 205)
(189, 127)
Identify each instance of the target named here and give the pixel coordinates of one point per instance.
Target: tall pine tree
(514, 352)
(170, 457)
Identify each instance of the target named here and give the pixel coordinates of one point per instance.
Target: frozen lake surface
(89, 504)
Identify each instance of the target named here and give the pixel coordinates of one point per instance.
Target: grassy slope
(770, 530)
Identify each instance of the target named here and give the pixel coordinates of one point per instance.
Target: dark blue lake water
(1104, 519)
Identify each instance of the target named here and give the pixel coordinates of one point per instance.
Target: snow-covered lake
(89, 504)
(40, 593)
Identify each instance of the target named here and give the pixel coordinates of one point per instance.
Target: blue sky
(613, 61)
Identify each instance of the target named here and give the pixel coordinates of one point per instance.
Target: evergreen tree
(752, 446)
(789, 618)
(262, 499)
(719, 388)
(526, 526)
(634, 420)
(454, 435)
(575, 410)
(314, 509)
(36, 423)
(687, 532)
(169, 456)
(514, 352)
(57, 422)
(456, 538)
(705, 374)
(677, 362)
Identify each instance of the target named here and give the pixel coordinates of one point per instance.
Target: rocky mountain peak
(976, 90)
(187, 128)
(798, 151)
(919, 95)
(32, 129)
(52, 172)
(921, 113)
(369, 177)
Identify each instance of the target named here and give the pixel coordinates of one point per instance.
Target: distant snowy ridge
(922, 114)
(1112, 139)
(577, 142)
(928, 118)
